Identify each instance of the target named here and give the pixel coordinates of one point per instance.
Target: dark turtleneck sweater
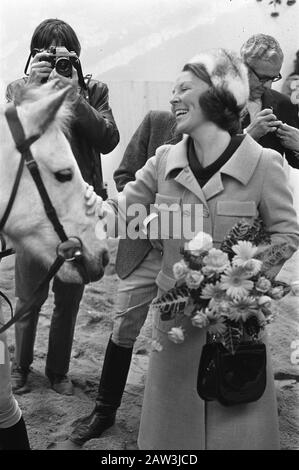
(204, 174)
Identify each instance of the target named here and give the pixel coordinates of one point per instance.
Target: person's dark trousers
(67, 301)
(15, 437)
(111, 388)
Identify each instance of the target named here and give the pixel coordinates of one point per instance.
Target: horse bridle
(69, 249)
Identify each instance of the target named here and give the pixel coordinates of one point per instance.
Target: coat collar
(240, 166)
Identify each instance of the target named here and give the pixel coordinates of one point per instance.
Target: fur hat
(226, 71)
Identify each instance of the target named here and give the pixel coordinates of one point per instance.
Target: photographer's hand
(265, 121)
(39, 71)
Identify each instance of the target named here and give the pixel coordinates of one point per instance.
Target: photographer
(55, 50)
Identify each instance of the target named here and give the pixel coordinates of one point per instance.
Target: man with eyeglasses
(270, 115)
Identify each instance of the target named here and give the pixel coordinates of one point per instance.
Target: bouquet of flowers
(229, 291)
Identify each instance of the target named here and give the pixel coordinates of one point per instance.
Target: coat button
(186, 169)
(205, 212)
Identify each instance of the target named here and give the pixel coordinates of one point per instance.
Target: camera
(61, 59)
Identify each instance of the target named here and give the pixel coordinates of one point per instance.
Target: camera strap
(81, 80)
(27, 64)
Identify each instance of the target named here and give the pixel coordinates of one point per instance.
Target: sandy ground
(49, 416)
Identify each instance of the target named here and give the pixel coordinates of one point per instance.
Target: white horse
(45, 111)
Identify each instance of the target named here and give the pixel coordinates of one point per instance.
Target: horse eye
(64, 175)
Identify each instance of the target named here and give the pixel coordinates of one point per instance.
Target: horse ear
(45, 109)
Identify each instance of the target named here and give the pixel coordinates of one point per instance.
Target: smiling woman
(231, 177)
(185, 101)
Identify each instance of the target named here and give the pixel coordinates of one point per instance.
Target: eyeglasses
(264, 79)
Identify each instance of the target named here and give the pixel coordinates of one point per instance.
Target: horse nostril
(105, 258)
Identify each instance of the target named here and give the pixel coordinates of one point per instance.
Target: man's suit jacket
(286, 112)
(156, 129)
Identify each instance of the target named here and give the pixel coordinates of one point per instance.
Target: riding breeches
(134, 296)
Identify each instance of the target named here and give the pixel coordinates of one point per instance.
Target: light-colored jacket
(252, 182)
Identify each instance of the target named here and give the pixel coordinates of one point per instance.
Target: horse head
(47, 112)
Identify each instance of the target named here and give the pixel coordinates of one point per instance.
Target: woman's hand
(289, 137)
(93, 202)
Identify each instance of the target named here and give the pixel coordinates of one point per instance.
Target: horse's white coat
(28, 226)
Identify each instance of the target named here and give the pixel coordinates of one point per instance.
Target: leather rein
(69, 249)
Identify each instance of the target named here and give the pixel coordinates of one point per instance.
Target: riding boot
(111, 388)
(15, 437)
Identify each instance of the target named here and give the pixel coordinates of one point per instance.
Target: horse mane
(32, 93)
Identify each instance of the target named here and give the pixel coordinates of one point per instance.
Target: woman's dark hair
(218, 104)
(55, 30)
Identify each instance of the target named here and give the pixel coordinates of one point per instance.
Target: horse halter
(69, 249)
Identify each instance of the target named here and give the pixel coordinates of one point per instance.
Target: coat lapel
(239, 167)
(187, 179)
(213, 187)
(177, 162)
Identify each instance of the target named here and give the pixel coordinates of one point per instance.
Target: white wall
(130, 101)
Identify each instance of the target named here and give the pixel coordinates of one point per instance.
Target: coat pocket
(229, 213)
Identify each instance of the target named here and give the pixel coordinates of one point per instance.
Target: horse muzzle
(72, 251)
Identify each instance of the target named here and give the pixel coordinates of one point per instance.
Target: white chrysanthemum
(244, 257)
(217, 324)
(244, 250)
(235, 282)
(212, 291)
(242, 308)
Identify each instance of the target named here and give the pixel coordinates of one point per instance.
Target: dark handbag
(235, 378)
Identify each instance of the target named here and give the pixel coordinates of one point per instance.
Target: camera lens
(64, 67)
